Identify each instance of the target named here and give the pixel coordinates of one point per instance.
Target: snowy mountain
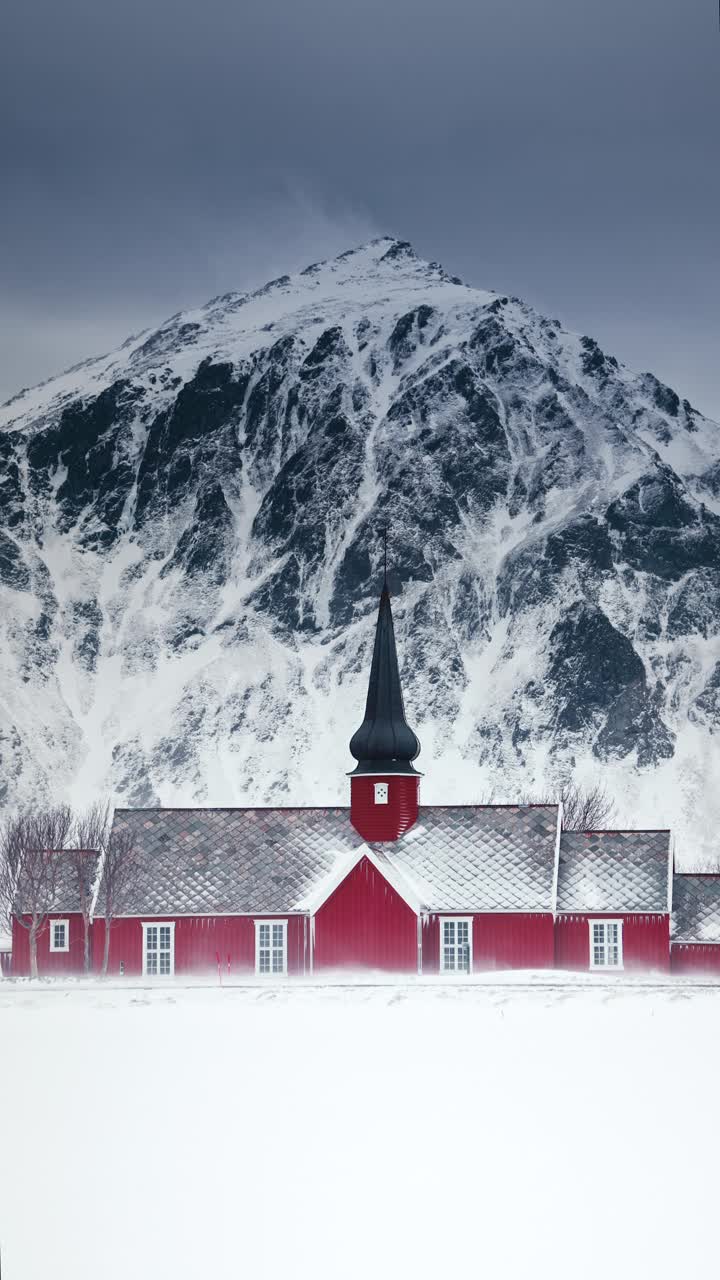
(190, 555)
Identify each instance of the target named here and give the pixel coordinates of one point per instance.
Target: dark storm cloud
(156, 153)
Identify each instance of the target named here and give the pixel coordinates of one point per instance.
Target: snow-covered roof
(696, 908)
(614, 871)
(66, 896)
(482, 857)
(236, 861)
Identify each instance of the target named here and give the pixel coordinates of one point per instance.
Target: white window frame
(456, 920)
(382, 793)
(603, 966)
(158, 924)
(66, 927)
(271, 973)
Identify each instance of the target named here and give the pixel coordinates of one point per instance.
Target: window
(381, 792)
(59, 935)
(456, 945)
(606, 944)
(271, 946)
(158, 950)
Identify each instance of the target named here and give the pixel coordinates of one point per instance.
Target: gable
(346, 873)
(367, 887)
(365, 923)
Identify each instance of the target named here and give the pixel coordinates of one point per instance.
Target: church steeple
(384, 784)
(384, 742)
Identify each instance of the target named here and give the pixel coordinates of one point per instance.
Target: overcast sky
(157, 152)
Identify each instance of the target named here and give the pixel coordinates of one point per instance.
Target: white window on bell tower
(381, 792)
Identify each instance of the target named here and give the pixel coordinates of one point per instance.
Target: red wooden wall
(365, 924)
(198, 941)
(695, 957)
(500, 941)
(49, 962)
(383, 821)
(646, 940)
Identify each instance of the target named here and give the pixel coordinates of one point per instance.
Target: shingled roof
(481, 857)
(237, 861)
(696, 908)
(63, 882)
(609, 871)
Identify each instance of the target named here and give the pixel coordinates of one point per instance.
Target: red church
(386, 885)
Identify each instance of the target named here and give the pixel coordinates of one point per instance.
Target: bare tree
(119, 877)
(584, 808)
(31, 870)
(90, 836)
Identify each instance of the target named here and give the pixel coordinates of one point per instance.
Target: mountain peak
(377, 255)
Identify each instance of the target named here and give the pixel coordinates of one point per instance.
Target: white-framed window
(59, 935)
(456, 944)
(381, 792)
(271, 946)
(158, 950)
(606, 950)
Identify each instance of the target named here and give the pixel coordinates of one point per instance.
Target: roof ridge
(313, 808)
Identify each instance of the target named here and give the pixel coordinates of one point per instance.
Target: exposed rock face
(190, 547)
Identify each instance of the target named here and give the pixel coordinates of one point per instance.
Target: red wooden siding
(500, 941)
(365, 924)
(645, 940)
(49, 962)
(695, 957)
(383, 821)
(198, 942)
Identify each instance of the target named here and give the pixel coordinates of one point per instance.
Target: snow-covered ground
(382, 1131)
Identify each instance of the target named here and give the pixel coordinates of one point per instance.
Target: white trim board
(169, 917)
(556, 864)
(618, 914)
(694, 942)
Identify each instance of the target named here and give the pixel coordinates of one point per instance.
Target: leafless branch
(584, 808)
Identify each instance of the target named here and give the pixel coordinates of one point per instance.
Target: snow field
(369, 1132)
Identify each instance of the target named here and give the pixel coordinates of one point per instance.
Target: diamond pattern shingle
(481, 858)
(222, 861)
(696, 908)
(614, 871)
(67, 896)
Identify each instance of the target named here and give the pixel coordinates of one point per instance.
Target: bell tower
(384, 785)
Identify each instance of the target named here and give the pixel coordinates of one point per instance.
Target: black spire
(384, 743)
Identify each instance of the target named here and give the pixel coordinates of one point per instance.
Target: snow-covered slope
(190, 547)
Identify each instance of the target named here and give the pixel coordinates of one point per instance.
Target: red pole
(217, 957)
